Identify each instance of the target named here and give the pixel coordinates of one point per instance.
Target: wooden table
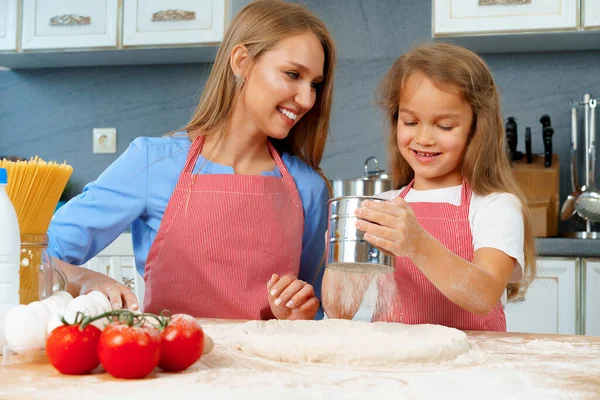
(498, 366)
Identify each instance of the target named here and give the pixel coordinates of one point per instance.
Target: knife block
(540, 186)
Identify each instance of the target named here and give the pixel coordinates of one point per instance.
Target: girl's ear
(238, 61)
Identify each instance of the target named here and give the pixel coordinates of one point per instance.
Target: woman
(227, 215)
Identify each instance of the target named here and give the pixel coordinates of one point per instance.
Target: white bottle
(10, 249)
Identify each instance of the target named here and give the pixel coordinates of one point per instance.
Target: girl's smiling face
(434, 123)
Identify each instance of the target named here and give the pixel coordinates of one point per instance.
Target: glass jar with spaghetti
(40, 277)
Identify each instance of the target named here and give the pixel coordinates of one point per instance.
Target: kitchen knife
(547, 132)
(528, 152)
(511, 138)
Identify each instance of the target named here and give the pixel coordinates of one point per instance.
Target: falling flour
(368, 287)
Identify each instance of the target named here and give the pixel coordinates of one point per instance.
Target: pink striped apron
(417, 300)
(220, 240)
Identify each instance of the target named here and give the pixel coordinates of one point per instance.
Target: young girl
(457, 225)
(228, 215)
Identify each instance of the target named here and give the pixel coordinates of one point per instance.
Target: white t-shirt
(496, 220)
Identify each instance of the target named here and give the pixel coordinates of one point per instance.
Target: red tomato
(73, 351)
(182, 343)
(129, 352)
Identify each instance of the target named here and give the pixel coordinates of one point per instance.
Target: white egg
(80, 304)
(65, 296)
(54, 303)
(60, 300)
(24, 328)
(42, 310)
(55, 319)
(101, 301)
(103, 305)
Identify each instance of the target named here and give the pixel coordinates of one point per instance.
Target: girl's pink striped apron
(417, 300)
(220, 240)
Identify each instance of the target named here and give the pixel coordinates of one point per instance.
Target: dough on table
(336, 341)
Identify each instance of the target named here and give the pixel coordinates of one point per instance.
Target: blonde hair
(485, 164)
(259, 26)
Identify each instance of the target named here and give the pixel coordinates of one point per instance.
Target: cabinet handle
(70, 19)
(174, 15)
(502, 2)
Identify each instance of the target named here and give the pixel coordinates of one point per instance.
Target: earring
(240, 80)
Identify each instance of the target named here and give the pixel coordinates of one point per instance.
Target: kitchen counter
(567, 247)
(498, 366)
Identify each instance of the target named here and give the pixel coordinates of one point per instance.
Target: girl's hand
(391, 226)
(291, 298)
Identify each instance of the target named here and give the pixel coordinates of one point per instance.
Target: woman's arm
(92, 220)
(313, 241)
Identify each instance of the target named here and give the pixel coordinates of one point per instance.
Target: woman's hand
(391, 226)
(119, 295)
(82, 281)
(291, 298)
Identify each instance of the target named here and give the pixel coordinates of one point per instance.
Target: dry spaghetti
(34, 188)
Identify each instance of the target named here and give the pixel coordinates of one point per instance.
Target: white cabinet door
(551, 304)
(469, 17)
(591, 14)
(8, 25)
(160, 22)
(64, 24)
(591, 300)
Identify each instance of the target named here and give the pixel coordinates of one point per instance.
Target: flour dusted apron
(416, 300)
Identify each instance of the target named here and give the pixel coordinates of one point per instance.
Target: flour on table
(346, 342)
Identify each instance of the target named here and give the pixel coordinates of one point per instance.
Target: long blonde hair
(259, 26)
(485, 164)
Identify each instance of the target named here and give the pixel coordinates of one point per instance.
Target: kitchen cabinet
(501, 26)
(591, 296)
(591, 14)
(156, 22)
(8, 25)
(74, 33)
(459, 17)
(551, 304)
(69, 24)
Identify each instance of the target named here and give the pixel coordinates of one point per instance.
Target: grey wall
(51, 113)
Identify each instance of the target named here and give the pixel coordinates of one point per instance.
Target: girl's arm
(474, 286)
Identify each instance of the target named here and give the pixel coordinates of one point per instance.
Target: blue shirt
(134, 192)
